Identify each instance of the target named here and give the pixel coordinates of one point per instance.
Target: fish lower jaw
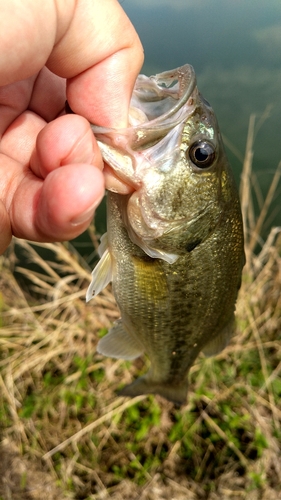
(177, 393)
(116, 184)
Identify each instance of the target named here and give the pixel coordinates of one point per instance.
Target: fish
(174, 248)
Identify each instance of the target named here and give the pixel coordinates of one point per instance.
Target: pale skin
(52, 176)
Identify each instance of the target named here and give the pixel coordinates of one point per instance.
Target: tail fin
(177, 394)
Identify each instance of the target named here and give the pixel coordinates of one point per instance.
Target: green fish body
(174, 247)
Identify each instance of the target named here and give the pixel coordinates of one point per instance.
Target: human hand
(50, 165)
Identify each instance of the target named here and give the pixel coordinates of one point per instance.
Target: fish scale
(174, 248)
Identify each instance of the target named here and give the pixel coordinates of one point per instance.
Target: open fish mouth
(158, 104)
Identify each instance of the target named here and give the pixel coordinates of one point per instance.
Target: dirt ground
(22, 480)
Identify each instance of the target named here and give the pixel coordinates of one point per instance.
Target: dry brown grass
(66, 435)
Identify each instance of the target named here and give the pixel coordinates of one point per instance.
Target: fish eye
(202, 154)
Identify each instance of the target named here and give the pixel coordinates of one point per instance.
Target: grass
(64, 432)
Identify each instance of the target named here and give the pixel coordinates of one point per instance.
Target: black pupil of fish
(202, 154)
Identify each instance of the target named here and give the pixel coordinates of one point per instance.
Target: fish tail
(177, 394)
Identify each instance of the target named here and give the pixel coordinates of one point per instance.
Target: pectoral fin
(119, 344)
(103, 246)
(102, 273)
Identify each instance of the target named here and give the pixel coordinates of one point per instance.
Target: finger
(19, 140)
(66, 140)
(44, 94)
(62, 206)
(68, 201)
(48, 95)
(58, 208)
(102, 93)
(108, 65)
(14, 99)
(27, 39)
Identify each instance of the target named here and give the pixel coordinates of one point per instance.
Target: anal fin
(216, 345)
(118, 343)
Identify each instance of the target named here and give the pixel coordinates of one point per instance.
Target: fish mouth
(158, 104)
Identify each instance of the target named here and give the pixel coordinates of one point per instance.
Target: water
(235, 48)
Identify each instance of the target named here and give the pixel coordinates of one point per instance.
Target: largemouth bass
(174, 247)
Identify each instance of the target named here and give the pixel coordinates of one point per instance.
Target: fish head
(173, 155)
